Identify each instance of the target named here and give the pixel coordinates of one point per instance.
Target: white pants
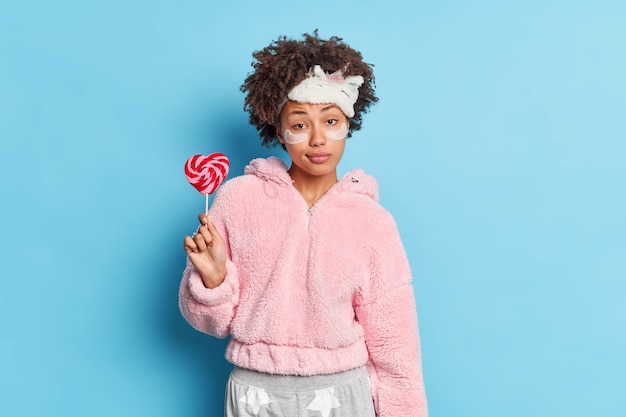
(255, 394)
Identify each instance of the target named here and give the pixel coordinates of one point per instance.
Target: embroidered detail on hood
(272, 169)
(275, 170)
(359, 182)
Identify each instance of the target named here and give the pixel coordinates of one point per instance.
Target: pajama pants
(254, 394)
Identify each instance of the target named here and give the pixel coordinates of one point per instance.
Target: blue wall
(499, 143)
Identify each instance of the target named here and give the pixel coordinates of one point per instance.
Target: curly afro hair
(283, 64)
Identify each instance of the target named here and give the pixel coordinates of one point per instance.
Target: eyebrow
(324, 109)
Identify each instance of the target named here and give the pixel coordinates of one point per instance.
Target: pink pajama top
(312, 290)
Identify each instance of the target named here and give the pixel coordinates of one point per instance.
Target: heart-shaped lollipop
(206, 173)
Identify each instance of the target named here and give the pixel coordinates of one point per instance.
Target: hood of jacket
(274, 170)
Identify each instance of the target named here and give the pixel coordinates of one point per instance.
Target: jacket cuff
(214, 296)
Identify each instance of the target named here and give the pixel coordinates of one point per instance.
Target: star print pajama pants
(254, 394)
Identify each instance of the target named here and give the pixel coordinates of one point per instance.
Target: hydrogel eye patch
(293, 139)
(338, 134)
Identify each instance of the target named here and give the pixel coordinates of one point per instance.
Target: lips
(318, 158)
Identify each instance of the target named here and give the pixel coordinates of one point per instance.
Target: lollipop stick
(206, 204)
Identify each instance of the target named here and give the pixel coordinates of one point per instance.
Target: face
(314, 136)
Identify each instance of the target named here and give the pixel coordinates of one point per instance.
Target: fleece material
(313, 290)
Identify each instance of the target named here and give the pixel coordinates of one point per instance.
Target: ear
(279, 135)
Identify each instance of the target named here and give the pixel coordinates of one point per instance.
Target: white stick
(206, 204)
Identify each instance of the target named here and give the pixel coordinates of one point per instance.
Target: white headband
(320, 87)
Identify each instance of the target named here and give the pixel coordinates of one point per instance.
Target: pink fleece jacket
(312, 291)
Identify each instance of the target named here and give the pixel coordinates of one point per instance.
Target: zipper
(309, 213)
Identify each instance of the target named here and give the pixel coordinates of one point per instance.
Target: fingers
(204, 237)
(202, 241)
(190, 245)
(213, 234)
(203, 218)
(198, 243)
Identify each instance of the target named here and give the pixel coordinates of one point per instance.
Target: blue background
(499, 143)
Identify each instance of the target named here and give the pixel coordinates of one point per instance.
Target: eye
(331, 122)
(298, 126)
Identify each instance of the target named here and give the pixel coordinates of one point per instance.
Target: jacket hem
(296, 360)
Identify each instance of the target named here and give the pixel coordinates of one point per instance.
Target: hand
(207, 252)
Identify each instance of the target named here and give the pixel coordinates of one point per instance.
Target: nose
(318, 138)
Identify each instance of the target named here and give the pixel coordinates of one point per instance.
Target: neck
(312, 188)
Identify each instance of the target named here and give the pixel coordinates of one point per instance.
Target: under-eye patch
(338, 134)
(294, 138)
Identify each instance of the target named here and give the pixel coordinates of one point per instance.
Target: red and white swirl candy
(206, 173)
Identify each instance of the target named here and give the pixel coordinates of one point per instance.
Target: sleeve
(208, 310)
(388, 315)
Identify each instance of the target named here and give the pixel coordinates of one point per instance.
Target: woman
(305, 270)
